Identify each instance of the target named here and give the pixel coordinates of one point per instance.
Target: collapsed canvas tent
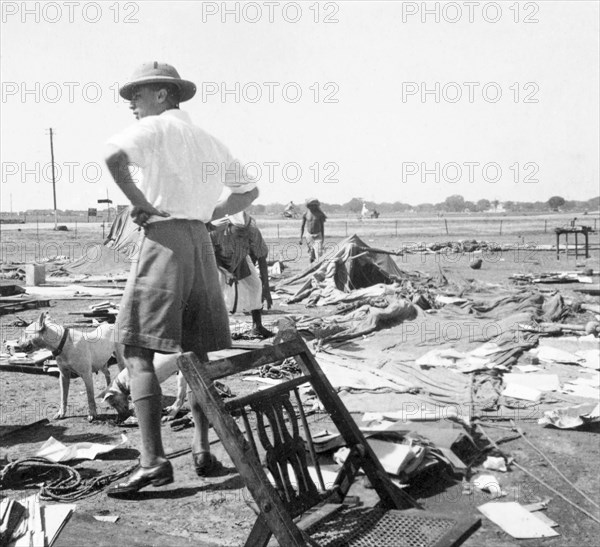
(353, 265)
(114, 257)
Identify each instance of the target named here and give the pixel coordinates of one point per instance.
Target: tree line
(452, 204)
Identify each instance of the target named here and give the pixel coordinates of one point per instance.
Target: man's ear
(161, 95)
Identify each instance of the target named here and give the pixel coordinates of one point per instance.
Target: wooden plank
(27, 369)
(318, 514)
(234, 404)
(83, 529)
(260, 533)
(253, 359)
(347, 473)
(459, 532)
(272, 510)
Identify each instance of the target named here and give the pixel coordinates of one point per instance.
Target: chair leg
(260, 534)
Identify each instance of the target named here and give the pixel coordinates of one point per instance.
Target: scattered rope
(64, 483)
(287, 369)
(521, 434)
(553, 490)
(556, 492)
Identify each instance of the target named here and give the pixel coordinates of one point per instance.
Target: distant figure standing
(314, 222)
(365, 212)
(290, 210)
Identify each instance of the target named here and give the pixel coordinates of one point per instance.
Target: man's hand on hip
(141, 214)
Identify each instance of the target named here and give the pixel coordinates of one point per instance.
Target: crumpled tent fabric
(115, 255)
(355, 265)
(123, 235)
(488, 325)
(359, 322)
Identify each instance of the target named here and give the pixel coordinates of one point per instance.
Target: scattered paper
(571, 417)
(590, 358)
(55, 517)
(544, 518)
(495, 464)
(528, 368)
(515, 520)
(592, 381)
(450, 358)
(519, 392)
(489, 483)
(55, 451)
(107, 518)
(555, 355)
(587, 392)
(572, 344)
(444, 300)
(541, 382)
(341, 455)
(394, 457)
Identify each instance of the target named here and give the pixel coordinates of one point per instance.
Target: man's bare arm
(234, 203)
(263, 268)
(118, 163)
(302, 229)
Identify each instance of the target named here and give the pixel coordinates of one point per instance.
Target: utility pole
(53, 180)
(108, 202)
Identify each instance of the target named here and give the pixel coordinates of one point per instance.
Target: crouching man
(240, 249)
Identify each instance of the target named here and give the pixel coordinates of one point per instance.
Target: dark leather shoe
(206, 464)
(159, 475)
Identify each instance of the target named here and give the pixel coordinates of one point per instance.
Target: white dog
(75, 351)
(165, 365)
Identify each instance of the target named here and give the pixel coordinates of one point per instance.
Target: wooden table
(566, 230)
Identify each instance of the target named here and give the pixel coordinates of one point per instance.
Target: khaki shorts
(172, 301)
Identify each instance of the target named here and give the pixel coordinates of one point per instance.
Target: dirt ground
(214, 512)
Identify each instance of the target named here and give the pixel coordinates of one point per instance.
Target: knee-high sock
(147, 399)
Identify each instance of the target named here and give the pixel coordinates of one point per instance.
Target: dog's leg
(174, 409)
(106, 373)
(89, 390)
(65, 380)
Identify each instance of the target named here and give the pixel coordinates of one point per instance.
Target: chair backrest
(278, 436)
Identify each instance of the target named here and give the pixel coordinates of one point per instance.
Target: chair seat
(377, 527)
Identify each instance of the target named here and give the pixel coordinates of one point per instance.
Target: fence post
(277, 231)
(500, 227)
(346, 223)
(396, 228)
(446, 223)
(545, 226)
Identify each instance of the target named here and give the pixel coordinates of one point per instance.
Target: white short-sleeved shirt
(178, 167)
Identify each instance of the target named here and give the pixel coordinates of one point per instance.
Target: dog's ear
(41, 320)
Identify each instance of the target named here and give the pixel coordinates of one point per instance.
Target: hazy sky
(385, 101)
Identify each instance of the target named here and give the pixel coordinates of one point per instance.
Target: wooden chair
(305, 514)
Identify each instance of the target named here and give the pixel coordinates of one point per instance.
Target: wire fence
(451, 227)
(408, 226)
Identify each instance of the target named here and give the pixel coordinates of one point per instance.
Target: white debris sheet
(517, 521)
(55, 451)
(571, 417)
(72, 291)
